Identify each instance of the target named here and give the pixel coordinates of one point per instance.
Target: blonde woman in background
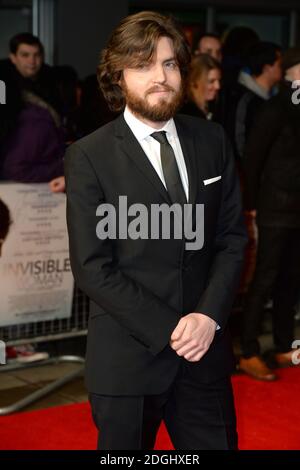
(203, 85)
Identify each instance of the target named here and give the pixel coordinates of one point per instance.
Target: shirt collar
(141, 130)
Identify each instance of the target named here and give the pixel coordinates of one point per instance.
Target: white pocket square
(212, 180)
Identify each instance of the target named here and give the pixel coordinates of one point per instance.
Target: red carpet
(268, 418)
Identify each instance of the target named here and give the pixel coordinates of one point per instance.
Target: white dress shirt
(151, 146)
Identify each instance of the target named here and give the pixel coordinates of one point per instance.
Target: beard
(163, 110)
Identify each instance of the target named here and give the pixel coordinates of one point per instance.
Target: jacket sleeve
(147, 319)
(229, 245)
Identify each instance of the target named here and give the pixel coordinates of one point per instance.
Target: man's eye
(171, 65)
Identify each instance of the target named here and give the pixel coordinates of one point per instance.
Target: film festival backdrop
(36, 283)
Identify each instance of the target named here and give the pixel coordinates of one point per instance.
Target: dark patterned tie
(170, 169)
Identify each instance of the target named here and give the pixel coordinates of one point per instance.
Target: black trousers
(277, 275)
(197, 416)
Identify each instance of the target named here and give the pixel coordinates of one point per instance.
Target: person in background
(235, 44)
(255, 85)
(203, 85)
(209, 43)
(256, 82)
(25, 66)
(272, 197)
(32, 144)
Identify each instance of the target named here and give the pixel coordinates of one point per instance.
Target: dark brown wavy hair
(133, 42)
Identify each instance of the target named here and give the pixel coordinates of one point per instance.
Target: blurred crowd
(248, 86)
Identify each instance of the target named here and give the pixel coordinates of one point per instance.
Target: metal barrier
(52, 330)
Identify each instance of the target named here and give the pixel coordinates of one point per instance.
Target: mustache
(160, 88)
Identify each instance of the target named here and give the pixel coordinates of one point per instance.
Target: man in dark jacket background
(272, 194)
(255, 84)
(26, 67)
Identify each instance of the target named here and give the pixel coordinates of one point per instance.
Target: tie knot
(160, 136)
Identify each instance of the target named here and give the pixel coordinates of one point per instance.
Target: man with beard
(158, 343)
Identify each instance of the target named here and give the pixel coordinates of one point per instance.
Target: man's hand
(193, 335)
(58, 185)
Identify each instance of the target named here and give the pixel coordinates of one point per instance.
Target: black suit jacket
(139, 289)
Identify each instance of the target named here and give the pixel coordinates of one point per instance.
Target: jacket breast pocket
(212, 188)
(213, 180)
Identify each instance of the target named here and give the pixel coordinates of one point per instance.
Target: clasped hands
(193, 336)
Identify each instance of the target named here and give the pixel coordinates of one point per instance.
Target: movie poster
(36, 282)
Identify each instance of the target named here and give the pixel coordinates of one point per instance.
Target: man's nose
(32, 60)
(159, 74)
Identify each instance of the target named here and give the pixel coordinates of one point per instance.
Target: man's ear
(120, 82)
(12, 58)
(266, 68)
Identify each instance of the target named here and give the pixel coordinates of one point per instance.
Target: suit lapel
(189, 153)
(131, 147)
